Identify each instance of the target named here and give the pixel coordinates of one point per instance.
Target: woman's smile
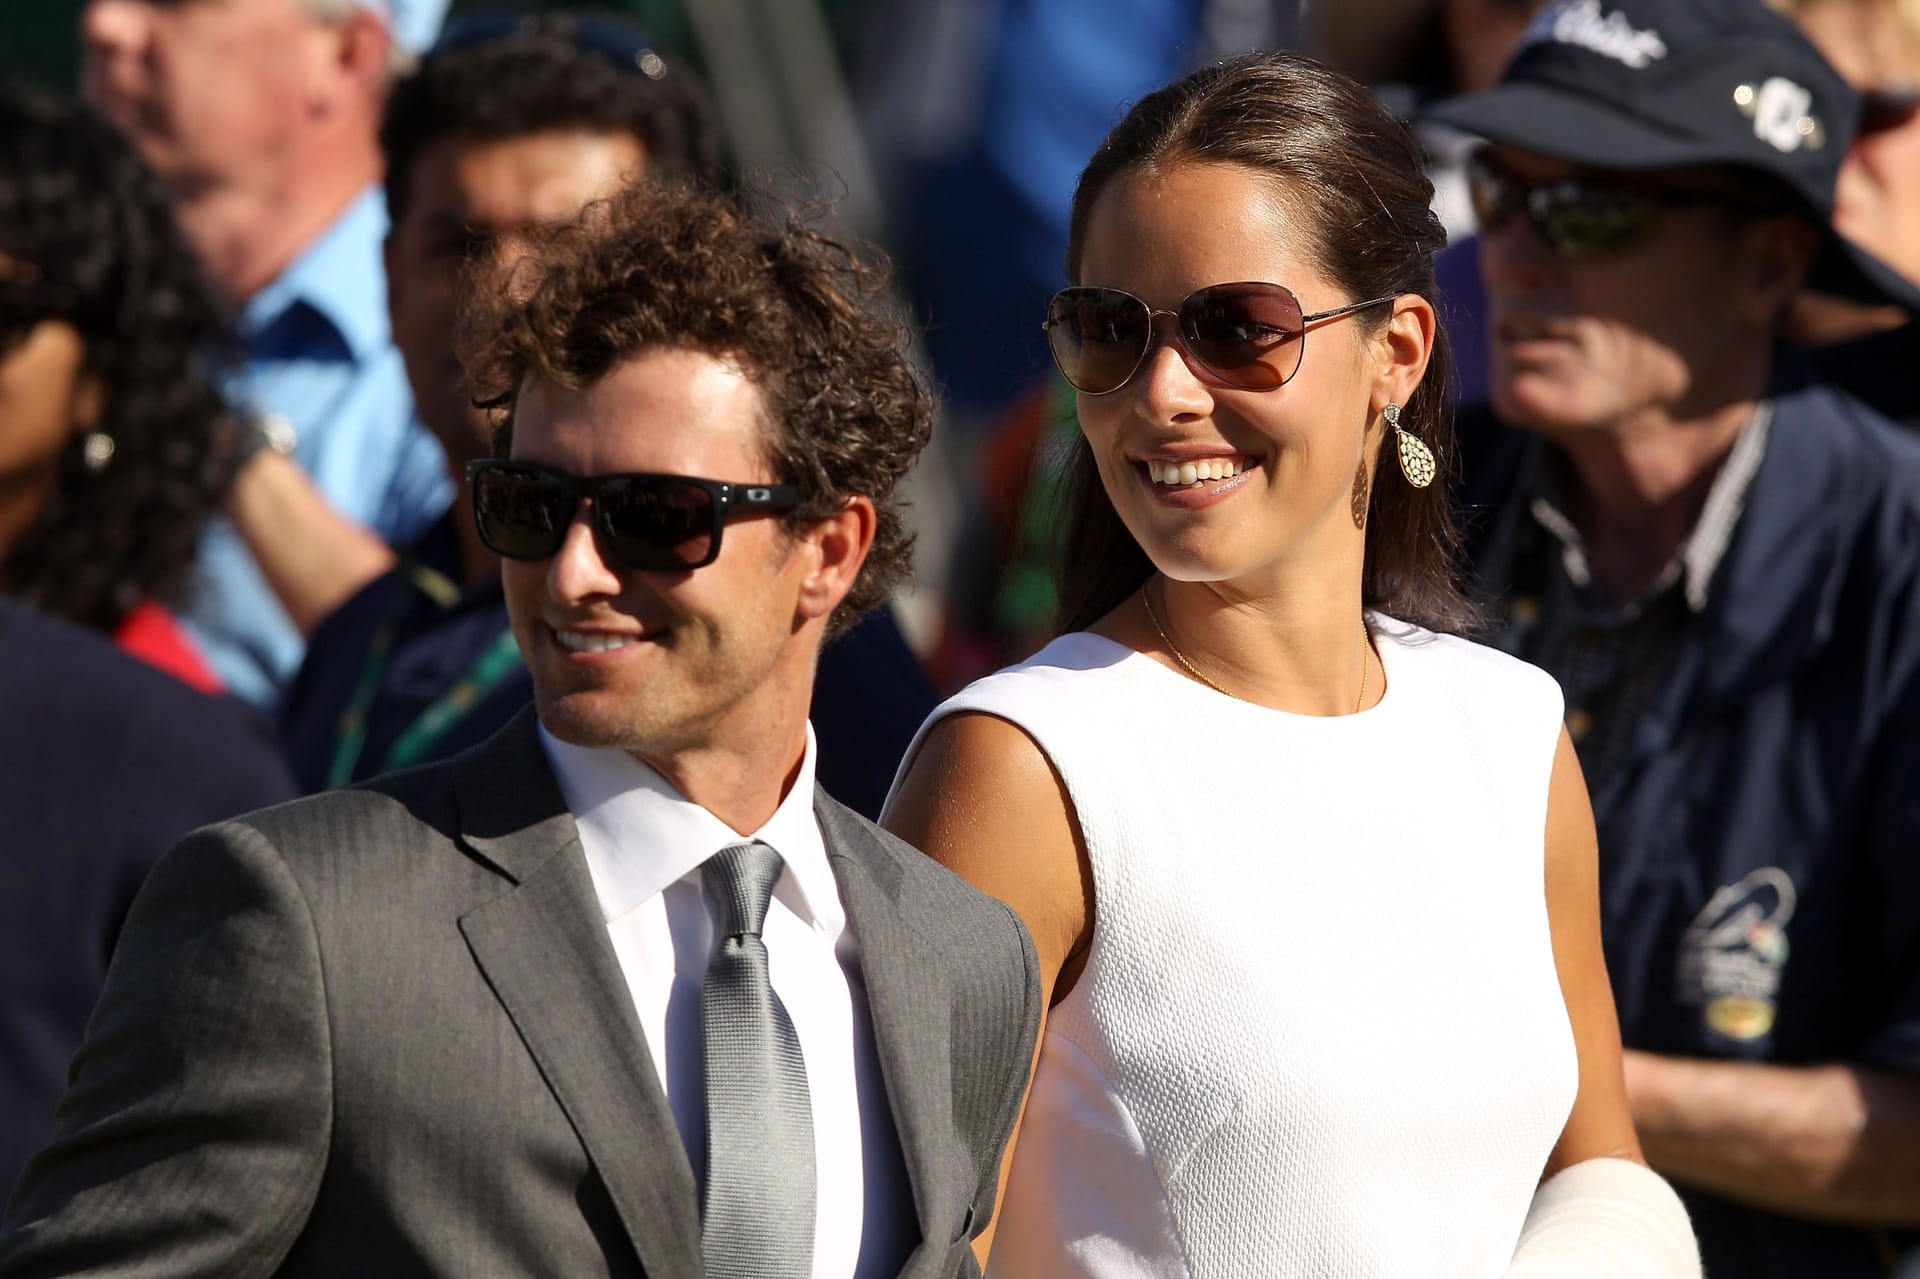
(1193, 484)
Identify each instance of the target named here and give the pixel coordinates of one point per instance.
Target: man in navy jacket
(1720, 562)
(107, 762)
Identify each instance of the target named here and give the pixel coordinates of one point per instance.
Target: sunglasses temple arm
(1338, 311)
(764, 497)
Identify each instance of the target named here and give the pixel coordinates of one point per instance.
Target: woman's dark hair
(1354, 176)
(93, 230)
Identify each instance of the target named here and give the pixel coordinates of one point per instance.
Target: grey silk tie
(758, 1218)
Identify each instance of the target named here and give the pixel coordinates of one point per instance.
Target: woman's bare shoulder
(981, 798)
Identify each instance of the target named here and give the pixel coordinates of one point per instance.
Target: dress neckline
(1386, 645)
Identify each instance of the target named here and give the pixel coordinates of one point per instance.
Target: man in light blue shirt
(264, 119)
(325, 376)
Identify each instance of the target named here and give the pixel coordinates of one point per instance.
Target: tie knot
(741, 879)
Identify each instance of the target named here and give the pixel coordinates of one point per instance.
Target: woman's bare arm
(981, 798)
(1601, 1124)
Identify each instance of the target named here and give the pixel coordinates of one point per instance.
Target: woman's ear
(89, 403)
(1404, 344)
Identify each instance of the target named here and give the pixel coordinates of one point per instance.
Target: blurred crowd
(239, 560)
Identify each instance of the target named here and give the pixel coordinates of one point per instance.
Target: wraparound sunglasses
(1250, 336)
(650, 522)
(1581, 217)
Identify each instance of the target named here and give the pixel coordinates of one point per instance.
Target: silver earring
(96, 450)
(1416, 459)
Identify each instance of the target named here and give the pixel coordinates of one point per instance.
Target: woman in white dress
(1312, 881)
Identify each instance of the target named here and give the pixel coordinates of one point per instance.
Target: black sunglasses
(662, 523)
(1887, 107)
(620, 43)
(1250, 335)
(1577, 217)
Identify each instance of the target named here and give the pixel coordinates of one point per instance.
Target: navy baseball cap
(1671, 84)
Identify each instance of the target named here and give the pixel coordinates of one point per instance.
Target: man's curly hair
(92, 234)
(663, 266)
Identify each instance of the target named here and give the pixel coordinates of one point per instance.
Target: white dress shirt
(644, 844)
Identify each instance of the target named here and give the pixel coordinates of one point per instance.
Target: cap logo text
(1610, 35)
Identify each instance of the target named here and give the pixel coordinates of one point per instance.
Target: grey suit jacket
(383, 1032)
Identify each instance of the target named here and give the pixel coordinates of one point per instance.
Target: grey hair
(400, 59)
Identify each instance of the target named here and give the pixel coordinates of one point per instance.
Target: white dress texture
(1319, 1031)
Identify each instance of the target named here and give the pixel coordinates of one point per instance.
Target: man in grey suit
(617, 992)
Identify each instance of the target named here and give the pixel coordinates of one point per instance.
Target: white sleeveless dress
(1320, 1031)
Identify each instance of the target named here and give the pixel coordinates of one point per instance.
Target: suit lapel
(544, 949)
(915, 1058)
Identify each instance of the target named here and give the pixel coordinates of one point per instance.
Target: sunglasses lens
(1097, 336)
(1247, 335)
(658, 522)
(1578, 219)
(1492, 195)
(1582, 222)
(522, 515)
(1890, 108)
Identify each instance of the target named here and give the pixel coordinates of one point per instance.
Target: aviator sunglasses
(1579, 217)
(652, 522)
(1249, 336)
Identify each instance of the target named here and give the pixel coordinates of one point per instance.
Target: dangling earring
(1416, 459)
(96, 450)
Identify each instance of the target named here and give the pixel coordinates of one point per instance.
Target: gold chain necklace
(1197, 673)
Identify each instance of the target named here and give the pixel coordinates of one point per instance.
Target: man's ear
(358, 54)
(1404, 346)
(1778, 254)
(837, 547)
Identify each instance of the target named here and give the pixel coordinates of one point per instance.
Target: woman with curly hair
(114, 437)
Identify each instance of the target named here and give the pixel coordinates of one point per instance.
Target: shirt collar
(640, 835)
(340, 276)
(1694, 565)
